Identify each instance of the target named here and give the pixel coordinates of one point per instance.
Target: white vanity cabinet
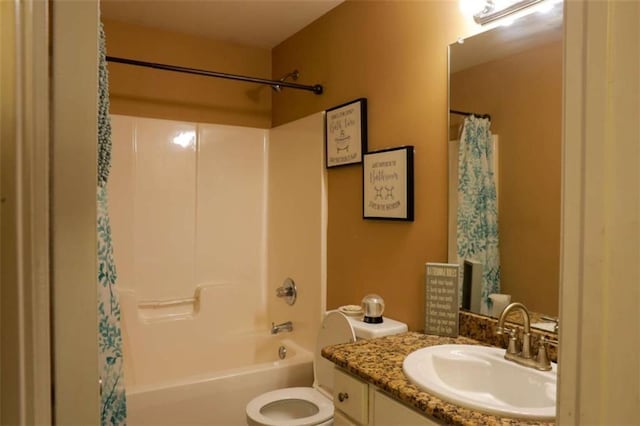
(350, 397)
(358, 404)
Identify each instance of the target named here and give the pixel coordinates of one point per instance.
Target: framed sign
(387, 184)
(346, 133)
(441, 304)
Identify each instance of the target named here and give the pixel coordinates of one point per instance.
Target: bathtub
(212, 386)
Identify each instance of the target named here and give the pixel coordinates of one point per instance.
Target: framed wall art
(346, 133)
(387, 184)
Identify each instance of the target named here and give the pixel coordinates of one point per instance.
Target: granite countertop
(379, 362)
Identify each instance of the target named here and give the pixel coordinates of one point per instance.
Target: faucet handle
(288, 291)
(542, 358)
(547, 341)
(512, 347)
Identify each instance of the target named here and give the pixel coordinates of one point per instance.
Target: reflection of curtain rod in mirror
(453, 111)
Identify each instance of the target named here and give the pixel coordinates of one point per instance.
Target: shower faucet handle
(288, 291)
(284, 291)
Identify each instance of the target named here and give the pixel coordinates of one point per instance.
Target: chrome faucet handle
(288, 291)
(284, 292)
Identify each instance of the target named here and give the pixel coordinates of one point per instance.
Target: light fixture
(496, 9)
(471, 7)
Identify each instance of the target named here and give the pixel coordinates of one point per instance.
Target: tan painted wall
(523, 94)
(394, 54)
(163, 94)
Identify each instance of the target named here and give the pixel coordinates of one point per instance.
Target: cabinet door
(340, 419)
(389, 412)
(350, 395)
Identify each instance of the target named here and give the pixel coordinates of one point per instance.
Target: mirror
(514, 74)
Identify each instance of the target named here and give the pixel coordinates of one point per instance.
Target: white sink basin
(479, 377)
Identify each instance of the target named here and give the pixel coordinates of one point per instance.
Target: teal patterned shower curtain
(477, 233)
(113, 406)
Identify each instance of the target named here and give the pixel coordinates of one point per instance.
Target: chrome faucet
(278, 328)
(523, 355)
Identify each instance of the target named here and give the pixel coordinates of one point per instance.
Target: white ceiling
(259, 23)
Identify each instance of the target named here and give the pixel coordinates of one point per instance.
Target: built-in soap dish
(155, 310)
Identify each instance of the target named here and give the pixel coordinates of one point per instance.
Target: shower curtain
(477, 232)
(113, 407)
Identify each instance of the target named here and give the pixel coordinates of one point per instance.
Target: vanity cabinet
(358, 403)
(351, 397)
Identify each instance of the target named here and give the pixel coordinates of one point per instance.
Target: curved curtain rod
(453, 111)
(316, 88)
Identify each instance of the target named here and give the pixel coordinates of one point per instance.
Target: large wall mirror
(514, 74)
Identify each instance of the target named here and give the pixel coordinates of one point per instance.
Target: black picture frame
(387, 184)
(345, 133)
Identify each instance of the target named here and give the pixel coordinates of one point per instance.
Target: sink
(478, 377)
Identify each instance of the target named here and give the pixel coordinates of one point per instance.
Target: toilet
(307, 406)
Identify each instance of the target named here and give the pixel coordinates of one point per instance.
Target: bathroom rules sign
(441, 307)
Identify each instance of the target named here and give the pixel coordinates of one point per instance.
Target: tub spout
(278, 328)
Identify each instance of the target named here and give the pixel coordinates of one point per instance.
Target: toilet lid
(335, 329)
(258, 408)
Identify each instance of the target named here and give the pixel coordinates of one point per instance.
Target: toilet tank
(387, 327)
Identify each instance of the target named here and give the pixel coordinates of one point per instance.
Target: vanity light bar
(491, 13)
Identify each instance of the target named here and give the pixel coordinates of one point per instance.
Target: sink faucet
(523, 356)
(278, 328)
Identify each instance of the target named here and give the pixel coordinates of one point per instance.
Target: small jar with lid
(373, 307)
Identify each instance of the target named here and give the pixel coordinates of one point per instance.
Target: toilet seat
(271, 408)
(310, 395)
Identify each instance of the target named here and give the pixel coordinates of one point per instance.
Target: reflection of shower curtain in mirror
(477, 221)
(113, 409)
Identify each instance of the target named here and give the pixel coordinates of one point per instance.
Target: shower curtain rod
(453, 111)
(316, 88)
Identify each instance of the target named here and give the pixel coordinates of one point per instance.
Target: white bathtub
(212, 387)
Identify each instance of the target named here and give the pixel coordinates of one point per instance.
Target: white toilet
(304, 406)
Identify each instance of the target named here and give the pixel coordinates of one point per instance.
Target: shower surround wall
(189, 204)
(207, 221)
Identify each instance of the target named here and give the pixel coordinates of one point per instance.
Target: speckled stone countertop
(379, 362)
(483, 329)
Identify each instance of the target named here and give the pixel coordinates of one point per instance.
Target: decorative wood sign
(441, 307)
(387, 184)
(346, 133)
